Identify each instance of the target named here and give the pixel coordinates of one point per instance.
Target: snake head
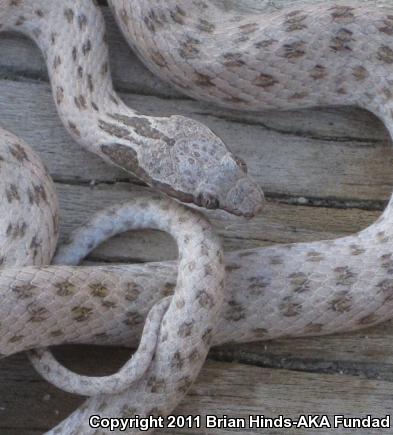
(186, 160)
(200, 169)
(230, 188)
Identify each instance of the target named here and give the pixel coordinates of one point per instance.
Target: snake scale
(176, 155)
(197, 300)
(330, 54)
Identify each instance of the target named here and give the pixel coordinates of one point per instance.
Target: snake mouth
(208, 201)
(245, 214)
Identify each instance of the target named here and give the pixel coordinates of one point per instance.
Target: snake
(280, 291)
(333, 54)
(175, 155)
(29, 232)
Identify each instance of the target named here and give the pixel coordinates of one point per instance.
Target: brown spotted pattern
(300, 56)
(176, 155)
(178, 329)
(323, 55)
(295, 290)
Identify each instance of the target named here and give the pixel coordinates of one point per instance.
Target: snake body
(302, 57)
(329, 54)
(29, 207)
(301, 289)
(165, 153)
(186, 322)
(280, 291)
(176, 155)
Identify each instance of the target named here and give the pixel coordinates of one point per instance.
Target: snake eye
(240, 162)
(211, 202)
(207, 201)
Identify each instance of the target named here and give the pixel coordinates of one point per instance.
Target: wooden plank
(42, 129)
(240, 391)
(250, 6)
(20, 58)
(335, 158)
(290, 165)
(368, 353)
(282, 223)
(237, 390)
(331, 154)
(279, 223)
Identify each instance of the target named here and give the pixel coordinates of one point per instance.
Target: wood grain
(279, 223)
(326, 156)
(233, 389)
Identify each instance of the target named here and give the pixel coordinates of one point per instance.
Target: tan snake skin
(302, 57)
(281, 291)
(329, 54)
(187, 325)
(176, 155)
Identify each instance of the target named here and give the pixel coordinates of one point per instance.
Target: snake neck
(175, 155)
(71, 36)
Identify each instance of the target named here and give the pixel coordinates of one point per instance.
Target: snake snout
(245, 198)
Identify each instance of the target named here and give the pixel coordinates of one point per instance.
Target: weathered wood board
(326, 172)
